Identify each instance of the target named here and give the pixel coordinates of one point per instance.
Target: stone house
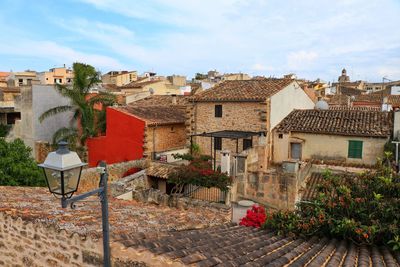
(237, 115)
(141, 130)
(340, 136)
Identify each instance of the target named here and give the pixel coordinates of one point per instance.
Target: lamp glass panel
(71, 179)
(54, 180)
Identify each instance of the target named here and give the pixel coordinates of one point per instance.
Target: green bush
(17, 167)
(4, 129)
(364, 209)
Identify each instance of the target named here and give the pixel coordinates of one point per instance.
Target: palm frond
(67, 134)
(54, 111)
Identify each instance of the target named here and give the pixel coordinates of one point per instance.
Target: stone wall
(240, 116)
(163, 138)
(42, 148)
(25, 243)
(90, 177)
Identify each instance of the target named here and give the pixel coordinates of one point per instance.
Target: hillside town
(186, 158)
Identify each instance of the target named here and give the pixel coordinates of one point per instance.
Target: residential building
(34, 101)
(148, 128)
(235, 76)
(24, 78)
(119, 78)
(340, 136)
(156, 86)
(237, 115)
(61, 75)
(3, 78)
(8, 96)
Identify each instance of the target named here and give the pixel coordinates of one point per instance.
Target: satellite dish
(322, 105)
(151, 90)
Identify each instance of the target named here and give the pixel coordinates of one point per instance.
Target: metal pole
(104, 215)
(397, 156)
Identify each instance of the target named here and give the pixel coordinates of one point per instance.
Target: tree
(17, 167)
(88, 110)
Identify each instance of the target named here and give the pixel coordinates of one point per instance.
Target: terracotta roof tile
(365, 108)
(156, 115)
(161, 100)
(160, 170)
(139, 84)
(338, 122)
(231, 245)
(338, 100)
(126, 216)
(394, 100)
(248, 90)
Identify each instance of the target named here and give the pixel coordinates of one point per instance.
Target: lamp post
(62, 170)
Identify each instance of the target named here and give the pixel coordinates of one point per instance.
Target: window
(355, 149)
(218, 111)
(172, 129)
(295, 150)
(247, 143)
(217, 143)
(280, 136)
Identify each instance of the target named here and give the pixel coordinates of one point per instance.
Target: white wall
(285, 101)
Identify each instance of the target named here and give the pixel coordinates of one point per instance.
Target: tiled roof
(248, 90)
(231, 245)
(394, 100)
(350, 91)
(161, 100)
(139, 84)
(125, 216)
(370, 98)
(338, 100)
(338, 122)
(365, 108)
(156, 115)
(160, 170)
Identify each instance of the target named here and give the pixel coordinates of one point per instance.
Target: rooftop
(230, 245)
(38, 205)
(248, 90)
(155, 115)
(161, 100)
(338, 122)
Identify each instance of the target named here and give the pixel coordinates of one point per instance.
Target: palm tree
(88, 111)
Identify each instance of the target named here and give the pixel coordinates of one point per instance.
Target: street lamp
(62, 170)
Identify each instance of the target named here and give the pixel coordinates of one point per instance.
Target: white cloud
(56, 53)
(301, 59)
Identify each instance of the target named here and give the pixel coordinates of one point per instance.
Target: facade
(154, 87)
(252, 106)
(3, 78)
(60, 75)
(8, 96)
(139, 131)
(340, 136)
(25, 78)
(35, 100)
(119, 78)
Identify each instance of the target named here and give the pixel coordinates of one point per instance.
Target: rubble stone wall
(90, 177)
(249, 116)
(25, 243)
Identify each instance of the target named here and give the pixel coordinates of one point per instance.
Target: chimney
(173, 99)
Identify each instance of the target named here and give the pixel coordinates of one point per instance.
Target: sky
(311, 38)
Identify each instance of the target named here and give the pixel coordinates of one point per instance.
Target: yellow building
(119, 78)
(60, 75)
(333, 136)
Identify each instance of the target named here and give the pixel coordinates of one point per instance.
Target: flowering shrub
(199, 172)
(364, 209)
(255, 217)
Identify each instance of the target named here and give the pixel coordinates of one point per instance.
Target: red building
(135, 132)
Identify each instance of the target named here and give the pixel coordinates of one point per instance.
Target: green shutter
(355, 149)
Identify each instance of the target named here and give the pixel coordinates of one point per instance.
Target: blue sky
(312, 38)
